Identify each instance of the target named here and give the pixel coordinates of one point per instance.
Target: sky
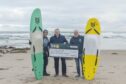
(65, 14)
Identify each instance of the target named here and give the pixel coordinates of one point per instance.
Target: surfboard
(91, 48)
(36, 44)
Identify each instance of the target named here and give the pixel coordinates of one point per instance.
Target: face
(57, 32)
(45, 33)
(76, 33)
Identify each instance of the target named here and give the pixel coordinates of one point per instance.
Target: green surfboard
(36, 39)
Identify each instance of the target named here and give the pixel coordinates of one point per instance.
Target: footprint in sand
(101, 66)
(19, 59)
(4, 69)
(101, 78)
(114, 66)
(25, 67)
(115, 53)
(28, 80)
(2, 78)
(111, 72)
(1, 56)
(74, 72)
(70, 66)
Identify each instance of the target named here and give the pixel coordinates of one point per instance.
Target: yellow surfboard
(91, 49)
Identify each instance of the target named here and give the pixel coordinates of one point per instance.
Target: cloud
(11, 27)
(65, 13)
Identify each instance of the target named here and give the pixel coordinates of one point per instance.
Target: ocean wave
(21, 39)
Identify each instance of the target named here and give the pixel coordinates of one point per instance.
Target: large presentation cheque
(63, 50)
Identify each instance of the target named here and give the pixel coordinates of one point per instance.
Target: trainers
(46, 74)
(77, 76)
(56, 75)
(64, 75)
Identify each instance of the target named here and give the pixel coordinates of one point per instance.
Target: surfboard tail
(90, 66)
(38, 65)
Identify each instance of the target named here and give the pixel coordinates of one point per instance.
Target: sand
(15, 68)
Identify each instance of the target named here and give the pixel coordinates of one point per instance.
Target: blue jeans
(78, 61)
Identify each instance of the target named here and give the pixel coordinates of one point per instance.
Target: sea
(109, 40)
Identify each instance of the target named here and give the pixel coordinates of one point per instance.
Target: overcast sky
(67, 14)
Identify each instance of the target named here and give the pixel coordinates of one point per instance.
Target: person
(78, 40)
(59, 39)
(46, 51)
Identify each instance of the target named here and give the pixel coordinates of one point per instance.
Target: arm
(30, 42)
(48, 46)
(71, 41)
(83, 45)
(65, 40)
(48, 43)
(51, 40)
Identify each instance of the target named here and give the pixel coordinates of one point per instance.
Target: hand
(65, 42)
(29, 42)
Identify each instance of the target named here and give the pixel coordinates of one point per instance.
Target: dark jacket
(78, 41)
(46, 44)
(61, 39)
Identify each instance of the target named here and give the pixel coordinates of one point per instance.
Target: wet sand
(15, 68)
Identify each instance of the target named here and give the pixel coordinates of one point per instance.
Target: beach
(16, 68)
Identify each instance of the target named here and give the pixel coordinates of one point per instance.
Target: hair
(56, 30)
(45, 31)
(76, 30)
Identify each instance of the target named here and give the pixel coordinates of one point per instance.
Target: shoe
(46, 74)
(77, 76)
(56, 75)
(64, 75)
